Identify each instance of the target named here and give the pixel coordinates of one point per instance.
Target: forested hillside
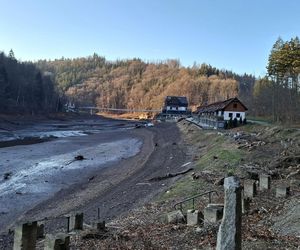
(24, 88)
(277, 95)
(136, 84)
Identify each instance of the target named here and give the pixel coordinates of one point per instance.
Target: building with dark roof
(231, 108)
(175, 105)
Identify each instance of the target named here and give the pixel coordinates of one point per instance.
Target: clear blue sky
(231, 34)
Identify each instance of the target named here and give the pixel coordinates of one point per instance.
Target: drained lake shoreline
(112, 186)
(38, 165)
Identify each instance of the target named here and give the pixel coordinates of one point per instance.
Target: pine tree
(11, 55)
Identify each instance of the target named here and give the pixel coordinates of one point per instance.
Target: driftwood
(95, 234)
(76, 158)
(170, 175)
(292, 174)
(92, 178)
(286, 161)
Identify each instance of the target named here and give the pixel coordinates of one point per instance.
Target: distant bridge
(94, 109)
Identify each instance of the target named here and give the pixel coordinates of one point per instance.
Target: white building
(175, 105)
(231, 108)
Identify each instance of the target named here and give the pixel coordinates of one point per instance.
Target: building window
(230, 115)
(235, 105)
(238, 115)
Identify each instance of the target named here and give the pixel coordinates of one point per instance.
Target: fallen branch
(292, 174)
(76, 158)
(170, 175)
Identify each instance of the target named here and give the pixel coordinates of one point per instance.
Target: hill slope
(136, 84)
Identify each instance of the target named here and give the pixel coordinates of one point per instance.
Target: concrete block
(230, 230)
(246, 205)
(57, 242)
(99, 225)
(194, 217)
(282, 191)
(75, 221)
(249, 189)
(264, 182)
(25, 236)
(213, 213)
(175, 217)
(40, 230)
(163, 218)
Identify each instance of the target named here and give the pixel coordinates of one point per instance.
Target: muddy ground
(134, 205)
(270, 222)
(114, 187)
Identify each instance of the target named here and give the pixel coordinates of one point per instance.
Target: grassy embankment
(213, 153)
(217, 155)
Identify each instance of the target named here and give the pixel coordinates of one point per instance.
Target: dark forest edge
(25, 89)
(134, 84)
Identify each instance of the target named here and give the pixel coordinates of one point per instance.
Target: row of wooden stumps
(26, 235)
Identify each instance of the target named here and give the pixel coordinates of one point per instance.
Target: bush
(241, 121)
(245, 121)
(225, 125)
(235, 122)
(230, 123)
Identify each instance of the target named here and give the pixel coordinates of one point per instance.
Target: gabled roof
(213, 107)
(176, 101)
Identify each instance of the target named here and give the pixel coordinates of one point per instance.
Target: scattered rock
(79, 157)
(7, 175)
(195, 176)
(219, 182)
(175, 217)
(92, 178)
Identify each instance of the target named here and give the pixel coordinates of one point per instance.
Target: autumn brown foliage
(135, 84)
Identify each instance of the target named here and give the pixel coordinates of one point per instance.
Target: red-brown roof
(213, 107)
